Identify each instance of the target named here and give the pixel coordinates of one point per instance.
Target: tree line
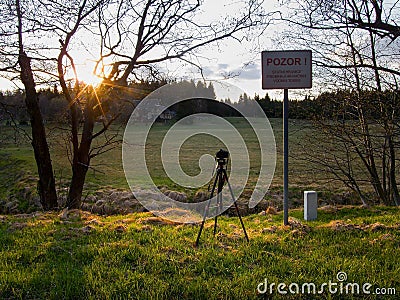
(333, 105)
(54, 108)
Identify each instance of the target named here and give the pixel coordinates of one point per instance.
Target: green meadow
(138, 256)
(80, 255)
(107, 172)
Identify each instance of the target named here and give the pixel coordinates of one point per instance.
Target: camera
(222, 154)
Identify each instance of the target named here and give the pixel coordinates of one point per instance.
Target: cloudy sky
(240, 62)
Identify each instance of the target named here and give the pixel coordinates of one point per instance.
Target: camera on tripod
(222, 156)
(221, 177)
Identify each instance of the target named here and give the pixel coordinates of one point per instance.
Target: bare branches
(366, 66)
(378, 16)
(356, 55)
(127, 39)
(155, 31)
(381, 27)
(6, 108)
(336, 29)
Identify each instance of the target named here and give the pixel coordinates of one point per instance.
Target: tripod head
(222, 157)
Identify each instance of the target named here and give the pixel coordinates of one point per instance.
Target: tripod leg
(236, 206)
(216, 217)
(206, 210)
(215, 225)
(241, 221)
(219, 199)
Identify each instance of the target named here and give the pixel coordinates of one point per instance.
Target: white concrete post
(310, 205)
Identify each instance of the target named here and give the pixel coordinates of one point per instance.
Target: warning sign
(286, 69)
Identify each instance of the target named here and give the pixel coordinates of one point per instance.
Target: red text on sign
(283, 61)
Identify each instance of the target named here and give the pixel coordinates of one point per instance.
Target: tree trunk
(81, 159)
(76, 187)
(46, 184)
(396, 197)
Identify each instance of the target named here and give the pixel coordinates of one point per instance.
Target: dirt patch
(17, 226)
(155, 221)
(271, 229)
(296, 224)
(383, 238)
(339, 225)
(83, 230)
(145, 228)
(329, 209)
(179, 215)
(120, 229)
(94, 222)
(2, 219)
(74, 215)
(126, 221)
(88, 229)
(376, 227)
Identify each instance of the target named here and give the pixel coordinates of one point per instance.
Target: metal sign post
(286, 70)
(285, 157)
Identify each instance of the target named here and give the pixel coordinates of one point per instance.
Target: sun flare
(90, 78)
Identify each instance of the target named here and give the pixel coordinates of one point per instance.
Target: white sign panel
(286, 69)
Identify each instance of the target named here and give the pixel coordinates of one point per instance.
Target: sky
(241, 62)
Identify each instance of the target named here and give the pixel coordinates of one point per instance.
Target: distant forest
(55, 108)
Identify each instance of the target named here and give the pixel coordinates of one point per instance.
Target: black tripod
(220, 178)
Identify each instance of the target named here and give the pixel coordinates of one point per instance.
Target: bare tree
(15, 14)
(82, 103)
(131, 38)
(135, 36)
(355, 48)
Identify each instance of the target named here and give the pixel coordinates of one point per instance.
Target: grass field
(83, 256)
(106, 170)
(78, 255)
